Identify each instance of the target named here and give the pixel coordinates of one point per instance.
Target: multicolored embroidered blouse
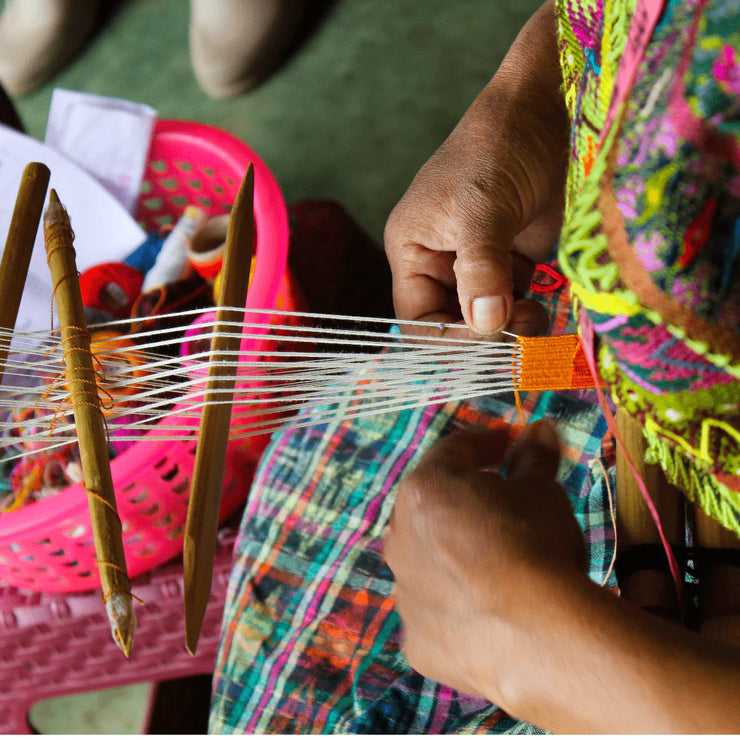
(651, 243)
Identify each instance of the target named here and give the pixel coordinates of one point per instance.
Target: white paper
(104, 230)
(108, 137)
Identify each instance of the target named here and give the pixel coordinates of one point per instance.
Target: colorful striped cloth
(310, 637)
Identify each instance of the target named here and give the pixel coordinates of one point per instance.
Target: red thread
(558, 280)
(697, 234)
(96, 292)
(587, 341)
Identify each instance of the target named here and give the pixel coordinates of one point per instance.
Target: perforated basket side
(47, 546)
(170, 185)
(152, 483)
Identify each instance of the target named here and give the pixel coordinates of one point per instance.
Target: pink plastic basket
(47, 546)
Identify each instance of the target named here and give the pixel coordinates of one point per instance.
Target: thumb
(485, 286)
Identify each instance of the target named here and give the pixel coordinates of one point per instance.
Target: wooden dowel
(201, 528)
(651, 588)
(90, 425)
(719, 582)
(24, 224)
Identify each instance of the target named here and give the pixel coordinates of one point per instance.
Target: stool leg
(719, 583)
(650, 587)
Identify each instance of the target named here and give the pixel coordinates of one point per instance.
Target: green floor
(350, 117)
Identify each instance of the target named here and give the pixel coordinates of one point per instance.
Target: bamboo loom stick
(24, 225)
(201, 528)
(651, 587)
(90, 425)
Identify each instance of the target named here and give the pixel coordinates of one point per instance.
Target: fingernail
(489, 313)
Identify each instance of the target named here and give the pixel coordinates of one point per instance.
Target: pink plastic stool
(58, 644)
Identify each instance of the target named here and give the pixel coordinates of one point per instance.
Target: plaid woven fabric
(310, 640)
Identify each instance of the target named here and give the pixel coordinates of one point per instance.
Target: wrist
(584, 660)
(530, 79)
(539, 629)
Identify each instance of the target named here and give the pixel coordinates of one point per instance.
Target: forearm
(510, 149)
(529, 79)
(599, 664)
(530, 74)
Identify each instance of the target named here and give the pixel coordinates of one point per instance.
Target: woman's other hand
(472, 551)
(463, 241)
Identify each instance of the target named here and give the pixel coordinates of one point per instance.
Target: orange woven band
(552, 364)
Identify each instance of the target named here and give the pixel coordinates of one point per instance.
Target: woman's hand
(494, 601)
(472, 552)
(463, 241)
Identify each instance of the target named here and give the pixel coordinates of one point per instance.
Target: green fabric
(350, 117)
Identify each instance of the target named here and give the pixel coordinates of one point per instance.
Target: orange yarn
(105, 501)
(552, 363)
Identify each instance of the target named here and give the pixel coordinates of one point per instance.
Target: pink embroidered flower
(586, 23)
(691, 290)
(666, 139)
(647, 248)
(627, 198)
(727, 71)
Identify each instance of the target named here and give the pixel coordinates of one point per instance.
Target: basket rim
(270, 210)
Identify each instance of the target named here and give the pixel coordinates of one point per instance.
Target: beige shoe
(38, 37)
(235, 44)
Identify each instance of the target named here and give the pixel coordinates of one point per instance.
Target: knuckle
(391, 230)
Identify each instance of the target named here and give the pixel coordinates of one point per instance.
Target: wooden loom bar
(90, 425)
(24, 225)
(201, 528)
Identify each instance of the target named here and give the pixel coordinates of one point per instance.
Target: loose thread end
(519, 406)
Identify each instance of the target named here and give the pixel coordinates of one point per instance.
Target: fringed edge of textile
(700, 486)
